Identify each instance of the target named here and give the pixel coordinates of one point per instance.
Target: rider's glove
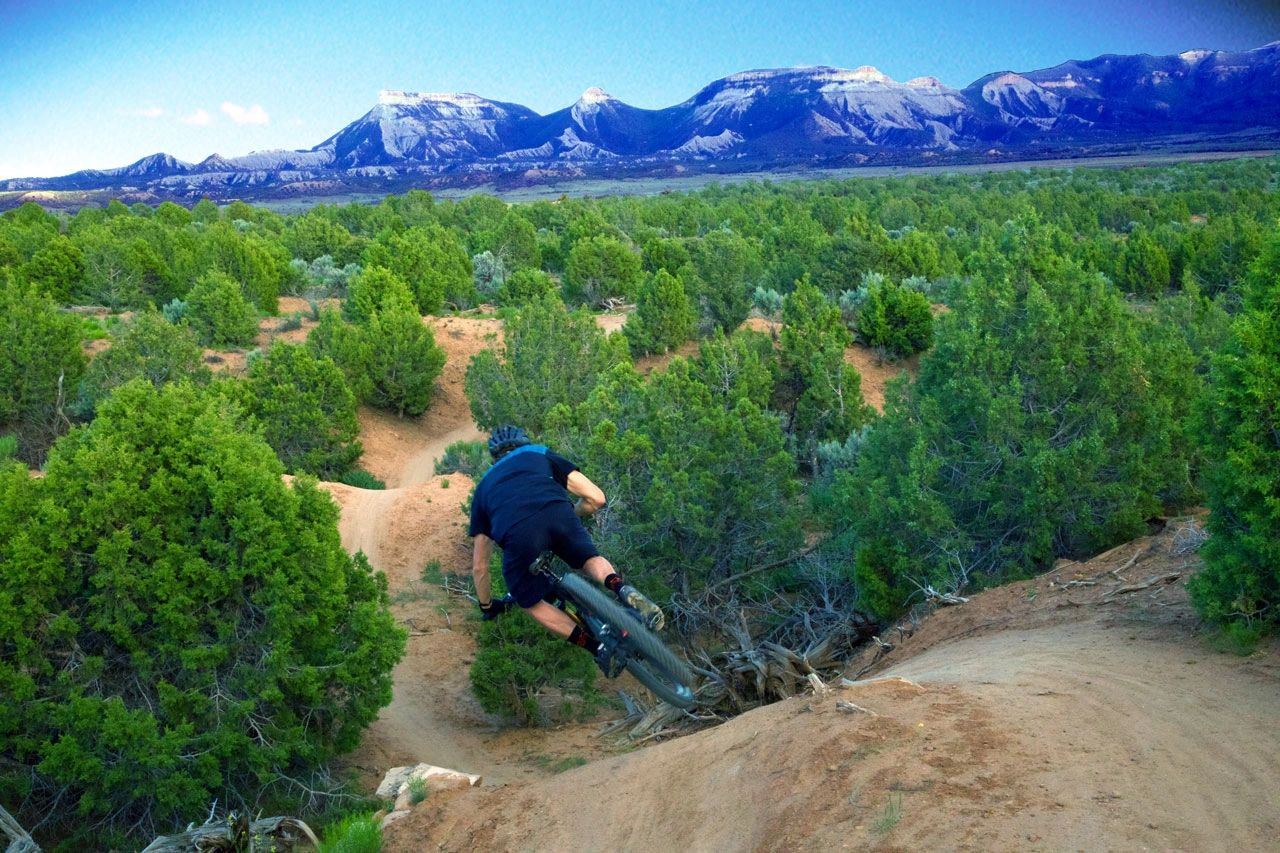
(649, 611)
(495, 608)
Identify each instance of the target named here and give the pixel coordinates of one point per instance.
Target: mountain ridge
(773, 117)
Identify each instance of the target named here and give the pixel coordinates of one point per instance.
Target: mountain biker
(522, 503)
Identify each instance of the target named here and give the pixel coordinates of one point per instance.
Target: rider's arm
(482, 549)
(592, 496)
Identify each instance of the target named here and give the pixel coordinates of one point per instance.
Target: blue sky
(100, 84)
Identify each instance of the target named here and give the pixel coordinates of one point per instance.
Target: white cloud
(200, 118)
(146, 112)
(297, 122)
(241, 115)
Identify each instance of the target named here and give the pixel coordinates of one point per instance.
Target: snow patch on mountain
(595, 95)
(398, 98)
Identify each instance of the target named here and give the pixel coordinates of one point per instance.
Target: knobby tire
(660, 670)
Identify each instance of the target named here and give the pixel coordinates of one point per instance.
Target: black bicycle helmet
(506, 437)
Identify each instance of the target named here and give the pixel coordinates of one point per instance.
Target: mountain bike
(628, 642)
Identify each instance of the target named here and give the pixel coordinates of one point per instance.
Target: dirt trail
(418, 518)
(1058, 713)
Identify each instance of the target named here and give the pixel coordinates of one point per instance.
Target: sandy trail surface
(1056, 714)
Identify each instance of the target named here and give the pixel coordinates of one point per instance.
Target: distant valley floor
(291, 200)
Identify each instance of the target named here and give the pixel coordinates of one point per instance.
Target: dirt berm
(1081, 710)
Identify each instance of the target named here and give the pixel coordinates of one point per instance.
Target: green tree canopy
(220, 313)
(57, 269)
(1034, 431)
(895, 319)
(699, 487)
(306, 410)
(664, 317)
(40, 367)
(1239, 429)
(371, 287)
(728, 269)
(431, 260)
(821, 392)
(150, 347)
(177, 625)
(601, 268)
(549, 355)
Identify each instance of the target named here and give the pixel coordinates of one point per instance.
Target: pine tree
(664, 317)
(1239, 429)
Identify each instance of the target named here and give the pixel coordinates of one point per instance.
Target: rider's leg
(558, 622)
(598, 568)
(553, 619)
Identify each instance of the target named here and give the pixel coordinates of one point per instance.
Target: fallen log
(19, 840)
(236, 833)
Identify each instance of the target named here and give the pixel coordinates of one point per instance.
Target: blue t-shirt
(517, 487)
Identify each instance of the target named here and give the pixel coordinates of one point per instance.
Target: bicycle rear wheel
(649, 660)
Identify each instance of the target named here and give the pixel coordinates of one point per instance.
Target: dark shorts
(554, 529)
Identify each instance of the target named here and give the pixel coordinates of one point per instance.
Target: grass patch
(417, 790)
(1236, 638)
(558, 765)
(352, 834)
(888, 818)
(433, 573)
(361, 479)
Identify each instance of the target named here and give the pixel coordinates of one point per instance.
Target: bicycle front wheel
(649, 660)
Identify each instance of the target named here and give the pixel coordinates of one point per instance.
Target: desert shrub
(768, 302)
(1239, 430)
(321, 277)
(148, 346)
(895, 319)
(174, 310)
(549, 356)
(220, 313)
(524, 286)
(518, 663)
(40, 367)
(222, 639)
(305, 409)
(600, 268)
(465, 457)
(664, 317)
(490, 274)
